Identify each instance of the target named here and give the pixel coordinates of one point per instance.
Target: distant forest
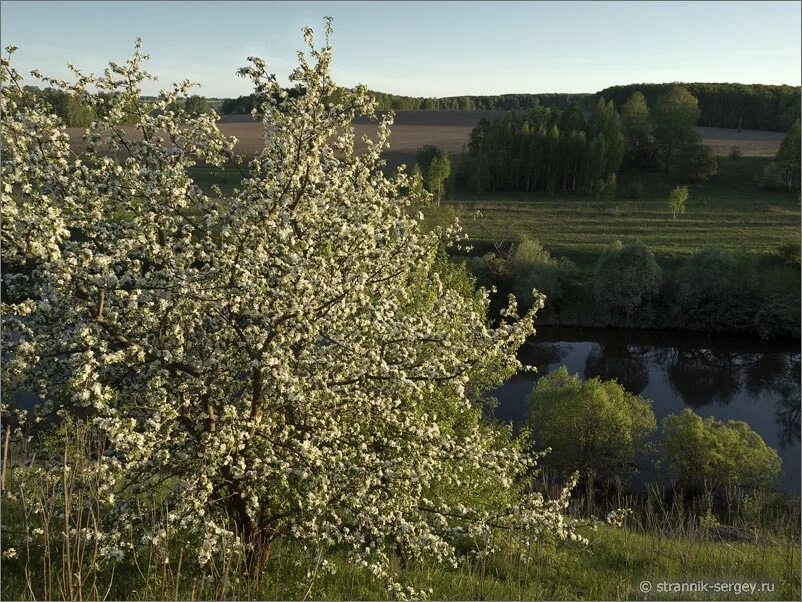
(752, 106)
(509, 102)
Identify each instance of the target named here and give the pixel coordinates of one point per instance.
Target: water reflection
(543, 353)
(788, 418)
(703, 376)
(616, 359)
(729, 379)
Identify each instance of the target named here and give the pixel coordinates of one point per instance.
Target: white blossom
(283, 362)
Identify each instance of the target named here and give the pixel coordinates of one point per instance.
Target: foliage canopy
(705, 451)
(595, 426)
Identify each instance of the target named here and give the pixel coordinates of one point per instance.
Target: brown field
(411, 130)
(753, 143)
(449, 130)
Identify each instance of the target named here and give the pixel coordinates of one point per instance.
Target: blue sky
(423, 48)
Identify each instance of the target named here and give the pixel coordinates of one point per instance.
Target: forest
(741, 106)
(562, 154)
(545, 150)
(747, 106)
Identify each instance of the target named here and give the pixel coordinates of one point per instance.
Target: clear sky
(423, 48)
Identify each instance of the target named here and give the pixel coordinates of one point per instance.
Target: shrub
(695, 163)
(699, 452)
(735, 153)
(771, 177)
(624, 281)
(595, 426)
(532, 267)
(635, 191)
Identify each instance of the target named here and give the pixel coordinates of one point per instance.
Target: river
(724, 377)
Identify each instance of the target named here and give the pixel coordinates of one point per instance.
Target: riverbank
(728, 264)
(725, 377)
(710, 291)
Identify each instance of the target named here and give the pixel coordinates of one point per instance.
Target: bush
(735, 153)
(771, 177)
(532, 267)
(695, 163)
(624, 281)
(723, 292)
(635, 191)
(596, 427)
(700, 452)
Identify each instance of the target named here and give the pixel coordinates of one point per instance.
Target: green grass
(729, 211)
(611, 567)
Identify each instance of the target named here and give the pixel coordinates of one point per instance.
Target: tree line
(545, 149)
(503, 102)
(747, 106)
(75, 112)
(396, 102)
(754, 106)
(562, 151)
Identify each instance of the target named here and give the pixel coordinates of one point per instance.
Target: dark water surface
(727, 378)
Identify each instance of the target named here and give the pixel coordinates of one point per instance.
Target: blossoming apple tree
(287, 361)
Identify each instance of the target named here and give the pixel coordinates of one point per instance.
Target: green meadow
(728, 211)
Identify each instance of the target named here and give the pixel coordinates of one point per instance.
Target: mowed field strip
(577, 227)
(729, 211)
